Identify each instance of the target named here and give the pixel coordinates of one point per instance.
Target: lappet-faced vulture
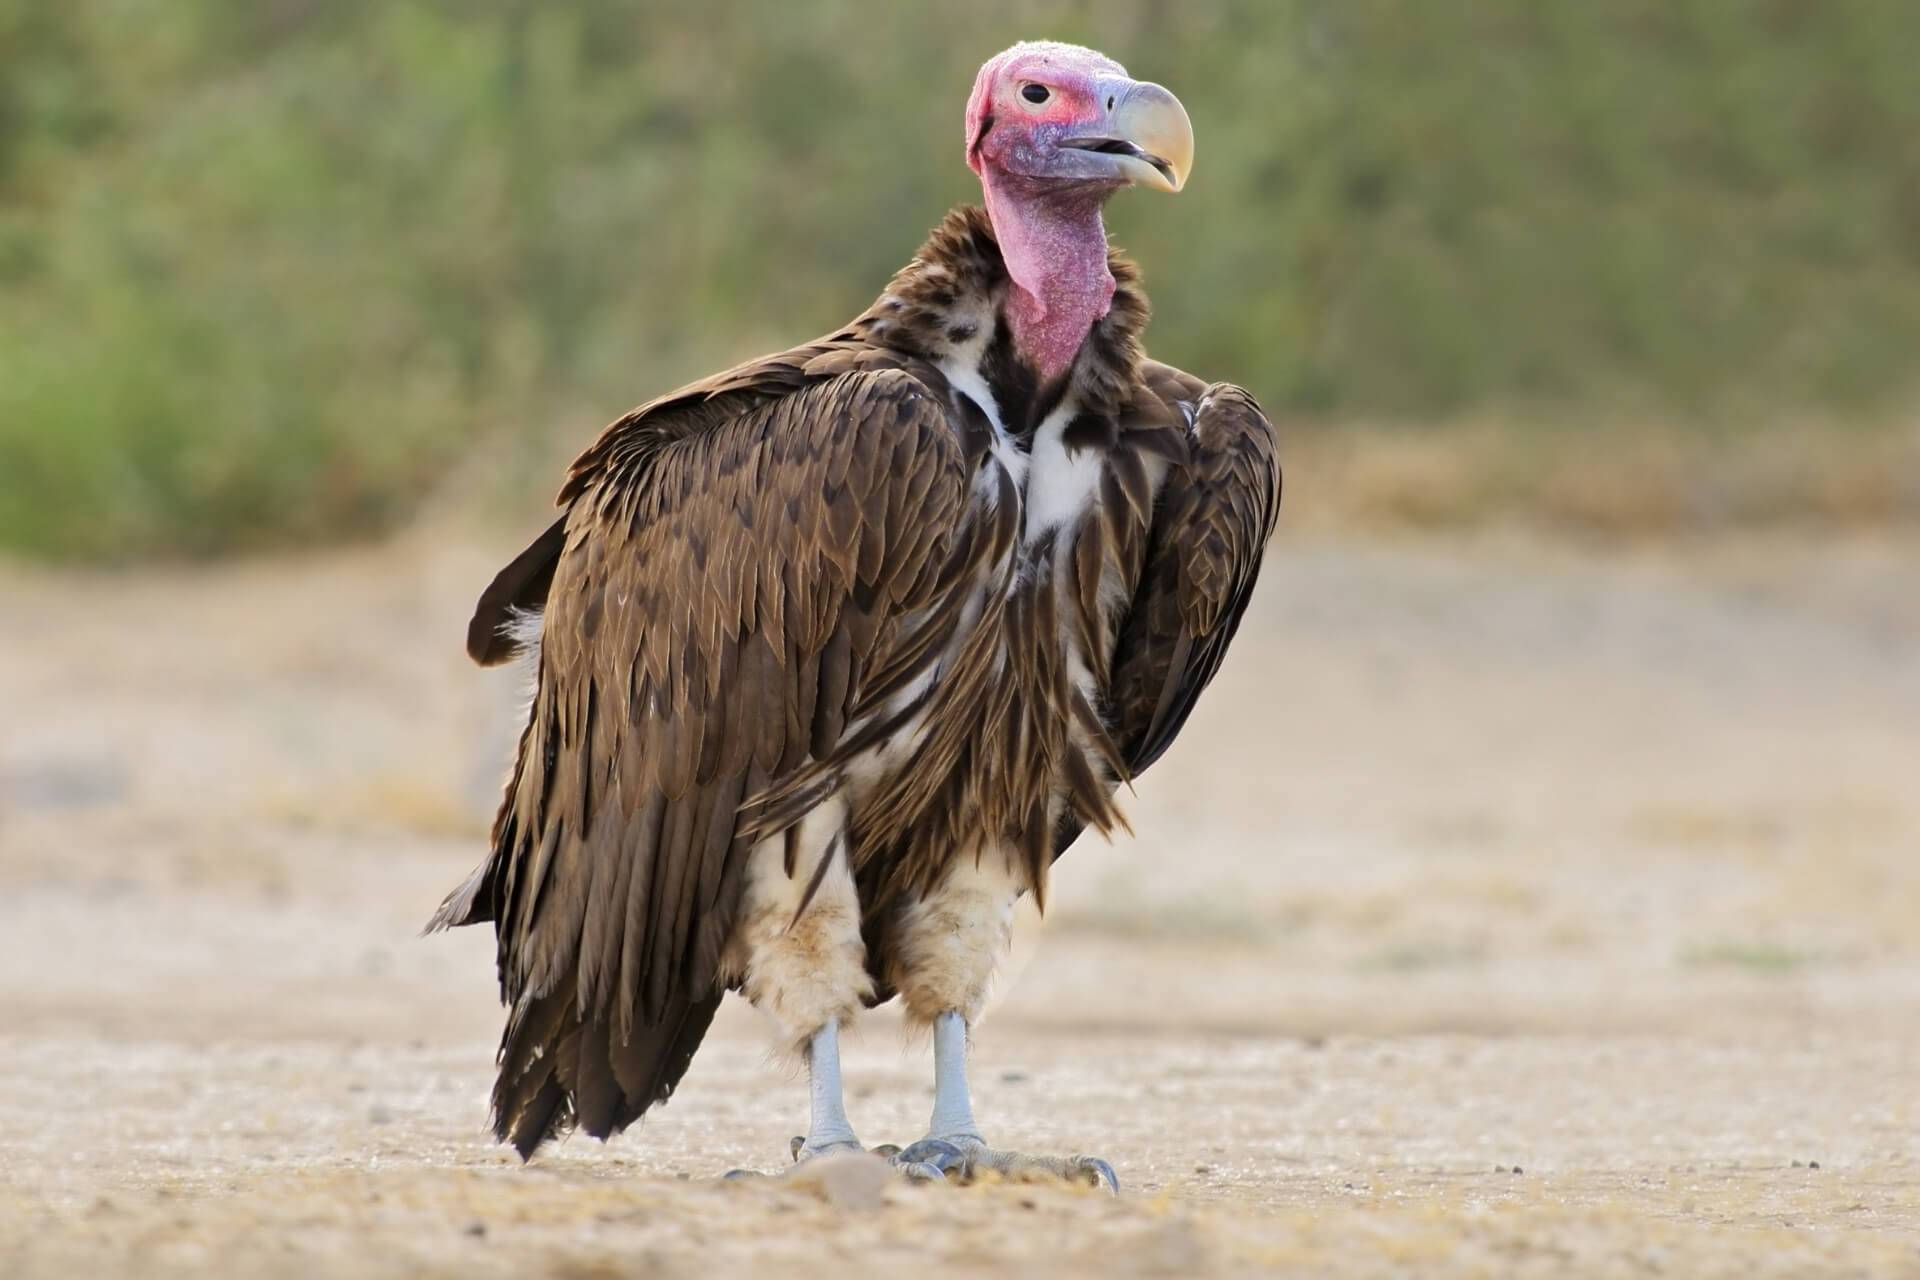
(835, 652)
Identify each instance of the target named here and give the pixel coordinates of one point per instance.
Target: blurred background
(1559, 806)
(271, 273)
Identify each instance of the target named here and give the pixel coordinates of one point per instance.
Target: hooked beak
(1148, 135)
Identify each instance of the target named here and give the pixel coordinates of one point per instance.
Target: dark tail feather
(652, 1063)
(544, 1117)
(530, 1097)
(555, 1070)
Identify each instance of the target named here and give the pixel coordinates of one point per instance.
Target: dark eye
(1034, 93)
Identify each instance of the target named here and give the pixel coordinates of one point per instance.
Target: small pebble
(853, 1181)
(477, 1230)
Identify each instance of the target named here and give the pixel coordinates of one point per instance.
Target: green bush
(267, 270)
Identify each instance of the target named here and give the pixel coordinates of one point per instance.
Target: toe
(920, 1171)
(1089, 1171)
(936, 1152)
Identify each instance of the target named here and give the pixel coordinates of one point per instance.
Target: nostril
(1109, 104)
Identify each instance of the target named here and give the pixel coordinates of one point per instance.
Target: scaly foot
(965, 1157)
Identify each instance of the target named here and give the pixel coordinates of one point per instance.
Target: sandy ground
(1505, 909)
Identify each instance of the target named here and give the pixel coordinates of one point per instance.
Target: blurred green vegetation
(270, 267)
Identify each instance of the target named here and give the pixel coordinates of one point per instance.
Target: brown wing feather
(733, 556)
(1215, 511)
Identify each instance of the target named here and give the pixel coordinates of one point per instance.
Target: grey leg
(827, 1126)
(952, 1105)
(828, 1130)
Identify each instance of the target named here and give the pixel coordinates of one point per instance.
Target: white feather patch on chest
(1062, 483)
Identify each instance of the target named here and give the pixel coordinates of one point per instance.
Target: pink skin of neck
(1055, 246)
(1050, 230)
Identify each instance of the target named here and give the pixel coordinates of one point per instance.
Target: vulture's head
(1053, 130)
(1057, 115)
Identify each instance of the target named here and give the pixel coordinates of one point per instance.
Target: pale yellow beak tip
(1154, 120)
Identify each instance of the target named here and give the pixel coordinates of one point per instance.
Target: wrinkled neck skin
(1055, 247)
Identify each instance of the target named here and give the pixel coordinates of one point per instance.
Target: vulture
(835, 652)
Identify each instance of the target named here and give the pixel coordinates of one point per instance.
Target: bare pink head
(1053, 130)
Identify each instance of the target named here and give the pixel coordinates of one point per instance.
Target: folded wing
(1215, 511)
(733, 561)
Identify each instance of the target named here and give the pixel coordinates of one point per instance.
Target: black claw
(887, 1149)
(920, 1171)
(795, 1147)
(940, 1154)
(1103, 1173)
